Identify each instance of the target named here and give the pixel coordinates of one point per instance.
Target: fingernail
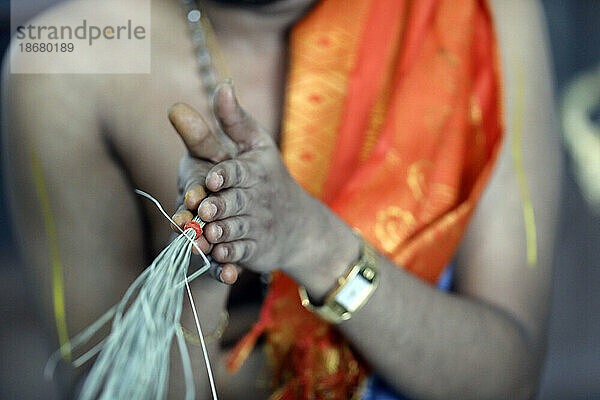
(218, 272)
(211, 209)
(218, 180)
(225, 251)
(219, 231)
(176, 218)
(228, 276)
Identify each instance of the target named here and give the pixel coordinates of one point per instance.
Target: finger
(191, 178)
(228, 230)
(193, 196)
(203, 244)
(229, 274)
(181, 217)
(200, 242)
(231, 173)
(197, 262)
(192, 171)
(225, 273)
(239, 251)
(195, 133)
(224, 204)
(234, 121)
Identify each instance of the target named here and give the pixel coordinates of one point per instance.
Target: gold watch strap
(352, 290)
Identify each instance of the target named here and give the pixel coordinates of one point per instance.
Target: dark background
(572, 368)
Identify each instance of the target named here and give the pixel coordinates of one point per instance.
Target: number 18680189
(46, 47)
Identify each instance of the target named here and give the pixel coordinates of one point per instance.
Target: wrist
(330, 249)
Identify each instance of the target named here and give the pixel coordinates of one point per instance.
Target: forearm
(429, 344)
(434, 345)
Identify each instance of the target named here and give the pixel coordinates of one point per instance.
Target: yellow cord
(517, 155)
(57, 270)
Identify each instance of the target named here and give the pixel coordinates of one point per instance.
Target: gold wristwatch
(352, 290)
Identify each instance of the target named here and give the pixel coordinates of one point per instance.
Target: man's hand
(204, 151)
(257, 215)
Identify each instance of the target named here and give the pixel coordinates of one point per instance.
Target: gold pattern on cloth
(416, 178)
(377, 119)
(393, 226)
(378, 114)
(331, 360)
(315, 96)
(435, 118)
(408, 191)
(421, 182)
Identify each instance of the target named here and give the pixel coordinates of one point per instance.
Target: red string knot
(195, 226)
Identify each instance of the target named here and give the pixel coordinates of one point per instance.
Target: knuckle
(231, 252)
(238, 171)
(226, 231)
(188, 184)
(239, 199)
(198, 138)
(222, 252)
(247, 252)
(221, 205)
(237, 252)
(243, 227)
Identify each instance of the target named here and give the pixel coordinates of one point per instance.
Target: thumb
(234, 120)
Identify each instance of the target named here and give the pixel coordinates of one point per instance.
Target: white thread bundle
(134, 359)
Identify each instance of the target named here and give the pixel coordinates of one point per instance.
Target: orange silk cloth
(393, 119)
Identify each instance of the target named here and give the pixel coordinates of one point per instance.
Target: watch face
(354, 293)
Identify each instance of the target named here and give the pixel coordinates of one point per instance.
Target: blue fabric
(376, 388)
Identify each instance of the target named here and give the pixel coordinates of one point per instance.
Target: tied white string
(162, 210)
(133, 361)
(201, 336)
(189, 292)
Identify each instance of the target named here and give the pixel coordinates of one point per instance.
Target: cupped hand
(256, 213)
(207, 151)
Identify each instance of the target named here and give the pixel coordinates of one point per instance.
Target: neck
(254, 19)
